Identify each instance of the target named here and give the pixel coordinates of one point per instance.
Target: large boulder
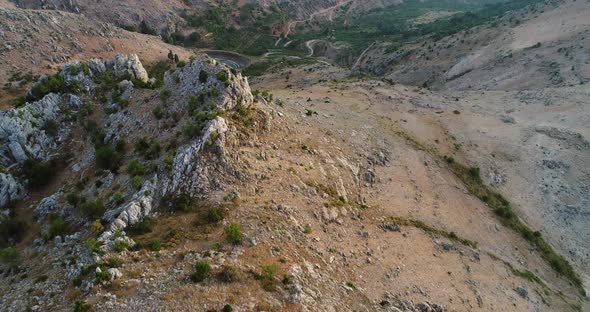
(47, 205)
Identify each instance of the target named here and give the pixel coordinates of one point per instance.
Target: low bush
(51, 127)
(148, 148)
(143, 227)
(214, 214)
(233, 234)
(203, 76)
(81, 306)
(39, 174)
(136, 182)
(96, 227)
(228, 274)
(12, 231)
(135, 168)
(267, 276)
(155, 245)
(202, 271)
(118, 198)
(10, 257)
(94, 246)
(58, 226)
(94, 209)
(121, 245)
(114, 262)
(107, 158)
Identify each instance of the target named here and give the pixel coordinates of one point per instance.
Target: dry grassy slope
(502, 56)
(365, 116)
(39, 41)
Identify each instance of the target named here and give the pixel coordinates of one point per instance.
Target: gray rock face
(21, 130)
(190, 172)
(184, 83)
(10, 189)
(134, 211)
(47, 205)
(127, 66)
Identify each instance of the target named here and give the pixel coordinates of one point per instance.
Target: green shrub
(135, 168)
(165, 95)
(73, 199)
(10, 256)
(51, 127)
(214, 214)
(148, 148)
(267, 276)
(155, 245)
(287, 280)
(136, 182)
(114, 262)
(93, 209)
(227, 308)
(94, 246)
(202, 271)
(39, 174)
(143, 227)
(233, 234)
(228, 274)
(203, 76)
(19, 102)
(81, 306)
(120, 146)
(158, 112)
(121, 245)
(12, 231)
(85, 68)
(107, 158)
(58, 226)
(222, 76)
(118, 198)
(102, 277)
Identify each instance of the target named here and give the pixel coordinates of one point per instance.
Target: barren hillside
(437, 173)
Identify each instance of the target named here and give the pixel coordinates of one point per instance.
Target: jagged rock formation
(190, 172)
(226, 88)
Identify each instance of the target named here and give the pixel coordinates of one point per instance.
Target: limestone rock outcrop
(10, 189)
(204, 75)
(25, 131)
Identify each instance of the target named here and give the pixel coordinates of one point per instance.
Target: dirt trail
(356, 63)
